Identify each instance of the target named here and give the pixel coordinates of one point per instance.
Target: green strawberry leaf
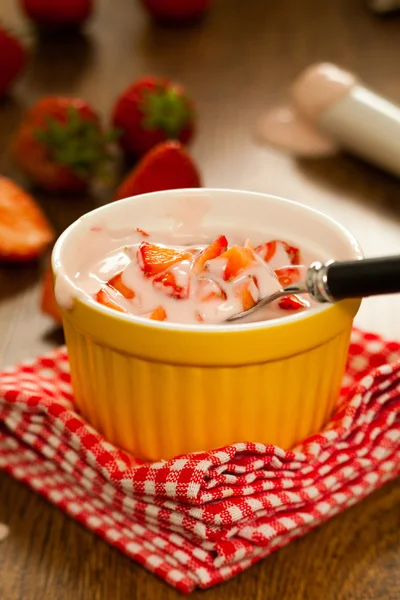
(78, 144)
(166, 109)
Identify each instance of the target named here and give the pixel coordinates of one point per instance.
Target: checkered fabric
(199, 519)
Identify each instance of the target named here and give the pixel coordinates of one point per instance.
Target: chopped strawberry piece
(268, 250)
(107, 298)
(144, 233)
(154, 259)
(246, 291)
(117, 283)
(215, 249)
(208, 289)
(294, 254)
(249, 245)
(292, 302)
(288, 275)
(167, 282)
(158, 314)
(238, 259)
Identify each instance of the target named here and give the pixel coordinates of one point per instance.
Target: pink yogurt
(106, 254)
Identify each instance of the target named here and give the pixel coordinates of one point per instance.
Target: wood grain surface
(235, 64)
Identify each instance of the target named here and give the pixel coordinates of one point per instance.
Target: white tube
(366, 124)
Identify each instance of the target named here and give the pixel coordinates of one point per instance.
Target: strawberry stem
(166, 109)
(78, 144)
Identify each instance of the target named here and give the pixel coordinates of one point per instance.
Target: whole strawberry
(60, 144)
(150, 111)
(12, 59)
(176, 11)
(57, 13)
(167, 166)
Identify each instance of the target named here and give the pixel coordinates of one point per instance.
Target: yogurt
(204, 283)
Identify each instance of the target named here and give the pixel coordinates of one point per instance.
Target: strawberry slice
(107, 297)
(24, 230)
(292, 302)
(158, 314)
(167, 282)
(117, 283)
(238, 259)
(208, 289)
(289, 275)
(268, 250)
(249, 245)
(154, 259)
(48, 304)
(215, 249)
(245, 291)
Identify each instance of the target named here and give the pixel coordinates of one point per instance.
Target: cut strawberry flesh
(268, 250)
(215, 249)
(154, 259)
(249, 246)
(107, 298)
(208, 289)
(117, 283)
(292, 302)
(158, 314)
(245, 291)
(167, 282)
(238, 259)
(289, 275)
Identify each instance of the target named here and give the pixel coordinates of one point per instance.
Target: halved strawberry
(158, 314)
(246, 291)
(117, 283)
(106, 297)
(268, 250)
(292, 302)
(215, 249)
(154, 259)
(24, 229)
(48, 304)
(167, 282)
(238, 259)
(208, 289)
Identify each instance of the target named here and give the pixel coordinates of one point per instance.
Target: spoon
(333, 281)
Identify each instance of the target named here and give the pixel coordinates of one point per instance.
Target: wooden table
(235, 64)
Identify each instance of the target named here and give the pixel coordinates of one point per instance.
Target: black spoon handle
(355, 279)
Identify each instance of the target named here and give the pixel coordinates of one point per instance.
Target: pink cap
(320, 86)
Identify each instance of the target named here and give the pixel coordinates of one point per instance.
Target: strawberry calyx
(77, 143)
(166, 109)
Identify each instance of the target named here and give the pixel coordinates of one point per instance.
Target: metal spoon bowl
(333, 281)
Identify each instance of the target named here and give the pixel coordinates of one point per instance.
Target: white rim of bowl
(209, 328)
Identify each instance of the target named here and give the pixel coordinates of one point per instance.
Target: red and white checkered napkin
(199, 519)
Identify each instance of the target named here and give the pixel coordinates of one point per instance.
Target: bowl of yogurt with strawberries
(145, 286)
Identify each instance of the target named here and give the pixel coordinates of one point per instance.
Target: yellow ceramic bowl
(161, 389)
